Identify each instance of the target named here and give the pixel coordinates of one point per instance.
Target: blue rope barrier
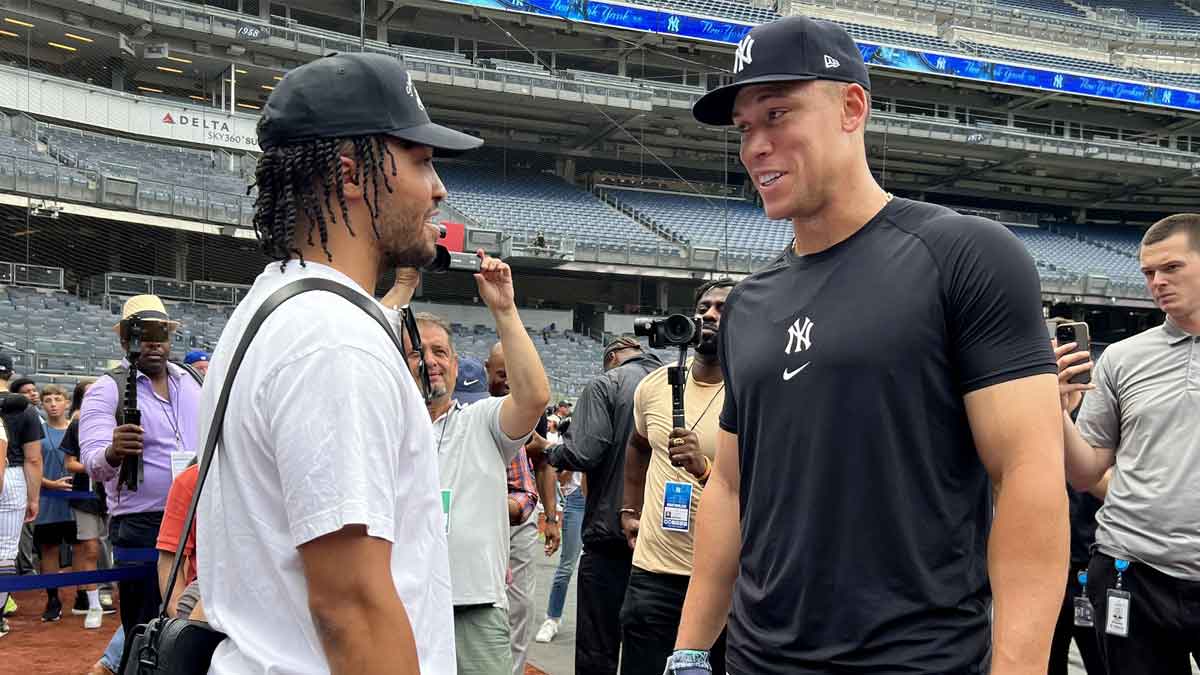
(28, 582)
(133, 555)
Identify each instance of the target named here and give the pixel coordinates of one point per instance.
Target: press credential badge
(677, 507)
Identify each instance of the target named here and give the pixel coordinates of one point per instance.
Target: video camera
(676, 330)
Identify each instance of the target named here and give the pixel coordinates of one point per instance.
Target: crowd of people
(883, 463)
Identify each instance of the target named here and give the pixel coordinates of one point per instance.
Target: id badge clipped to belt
(1083, 606)
(1118, 605)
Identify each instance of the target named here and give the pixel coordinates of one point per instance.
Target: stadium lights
(198, 98)
(59, 45)
(239, 71)
(278, 78)
(152, 90)
(178, 59)
(17, 22)
(8, 33)
(166, 69)
(248, 106)
(78, 37)
(268, 87)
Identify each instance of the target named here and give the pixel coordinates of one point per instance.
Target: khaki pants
(481, 640)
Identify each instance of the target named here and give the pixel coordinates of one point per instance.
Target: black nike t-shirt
(865, 507)
(23, 427)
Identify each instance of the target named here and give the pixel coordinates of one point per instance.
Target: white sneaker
(95, 617)
(548, 630)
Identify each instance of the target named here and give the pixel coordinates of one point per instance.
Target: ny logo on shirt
(743, 57)
(799, 339)
(799, 336)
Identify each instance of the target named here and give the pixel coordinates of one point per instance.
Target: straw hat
(147, 307)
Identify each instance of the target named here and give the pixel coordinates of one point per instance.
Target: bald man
(523, 496)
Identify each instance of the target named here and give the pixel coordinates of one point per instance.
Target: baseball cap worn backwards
(347, 95)
(795, 48)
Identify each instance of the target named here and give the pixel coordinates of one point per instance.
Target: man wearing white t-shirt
(321, 547)
(474, 445)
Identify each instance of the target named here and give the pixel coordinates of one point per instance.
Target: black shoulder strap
(191, 370)
(272, 302)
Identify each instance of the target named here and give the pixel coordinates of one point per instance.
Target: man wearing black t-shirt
(880, 377)
(21, 483)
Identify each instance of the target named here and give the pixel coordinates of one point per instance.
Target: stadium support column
(662, 294)
(180, 249)
(566, 169)
(622, 64)
(116, 67)
(1081, 216)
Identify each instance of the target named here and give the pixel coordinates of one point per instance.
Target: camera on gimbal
(676, 330)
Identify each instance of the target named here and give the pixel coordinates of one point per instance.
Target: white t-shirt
(473, 458)
(325, 428)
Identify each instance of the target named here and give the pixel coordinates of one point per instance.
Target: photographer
(595, 445)
(474, 446)
(666, 468)
(1141, 419)
(168, 398)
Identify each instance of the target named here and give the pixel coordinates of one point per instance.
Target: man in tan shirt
(665, 472)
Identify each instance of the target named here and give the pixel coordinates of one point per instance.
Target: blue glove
(688, 662)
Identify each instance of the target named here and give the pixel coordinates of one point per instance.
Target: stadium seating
(1124, 239)
(700, 220)
(1166, 14)
(719, 9)
(1060, 253)
(1020, 56)
(1050, 6)
(136, 159)
(537, 202)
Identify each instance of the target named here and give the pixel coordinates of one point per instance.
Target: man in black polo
(879, 380)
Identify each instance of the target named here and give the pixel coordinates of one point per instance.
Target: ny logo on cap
(831, 62)
(411, 90)
(742, 57)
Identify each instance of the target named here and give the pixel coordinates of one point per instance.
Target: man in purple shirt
(168, 398)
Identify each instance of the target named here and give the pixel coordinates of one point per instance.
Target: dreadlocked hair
(306, 177)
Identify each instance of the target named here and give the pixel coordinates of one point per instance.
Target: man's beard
(707, 347)
(403, 241)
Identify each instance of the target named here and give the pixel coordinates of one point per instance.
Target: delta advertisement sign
(228, 132)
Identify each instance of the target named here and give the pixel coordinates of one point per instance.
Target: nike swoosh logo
(468, 383)
(789, 374)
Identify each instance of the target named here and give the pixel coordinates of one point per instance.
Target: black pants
(1164, 620)
(603, 577)
(140, 598)
(1066, 630)
(650, 623)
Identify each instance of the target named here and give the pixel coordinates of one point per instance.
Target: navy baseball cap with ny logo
(346, 95)
(794, 48)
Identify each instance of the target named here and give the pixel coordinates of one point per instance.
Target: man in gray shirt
(1141, 416)
(474, 445)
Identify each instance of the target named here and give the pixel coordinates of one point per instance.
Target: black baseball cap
(353, 95)
(791, 49)
(6, 365)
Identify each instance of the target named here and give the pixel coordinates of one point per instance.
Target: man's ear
(856, 107)
(351, 186)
